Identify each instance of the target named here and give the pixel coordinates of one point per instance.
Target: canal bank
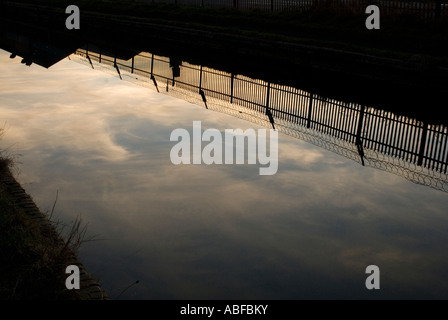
(35, 254)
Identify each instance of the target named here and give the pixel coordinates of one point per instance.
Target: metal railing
(372, 137)
(427, 10)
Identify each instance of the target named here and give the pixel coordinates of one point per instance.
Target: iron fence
(362, 133)
(423, 9)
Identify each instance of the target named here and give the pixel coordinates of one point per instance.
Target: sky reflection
(218, 231)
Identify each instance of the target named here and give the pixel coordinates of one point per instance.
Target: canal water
(221, 231)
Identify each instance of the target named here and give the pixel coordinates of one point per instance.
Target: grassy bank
(34, 255)
(34, 261)
(30, 260)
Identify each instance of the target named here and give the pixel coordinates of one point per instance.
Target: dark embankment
(402, 67)
(34, 254)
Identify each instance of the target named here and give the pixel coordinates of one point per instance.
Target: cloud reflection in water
(219, 231)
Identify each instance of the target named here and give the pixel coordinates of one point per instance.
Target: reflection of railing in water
(427, 10)
(376, 138)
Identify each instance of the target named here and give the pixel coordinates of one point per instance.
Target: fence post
(200, 79)
(422, 144)
(268, 112)
(201, 92)
(152, 64)
(360, 123)
(267, 97)
(132, 65)
(358, 141)
(232, 76)
(310, 108)
(152, 76)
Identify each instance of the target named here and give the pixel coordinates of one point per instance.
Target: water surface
(218, 231)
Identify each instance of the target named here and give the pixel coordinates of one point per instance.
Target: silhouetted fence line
(423, 9)
(360, 132)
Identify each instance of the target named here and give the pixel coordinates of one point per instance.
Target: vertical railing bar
(407, 140)
(368, 129)
(339, 119)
